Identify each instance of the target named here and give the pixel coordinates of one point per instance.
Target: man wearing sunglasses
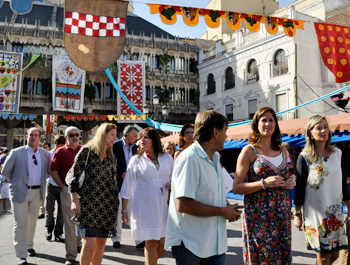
(62, 161)
(26, 168)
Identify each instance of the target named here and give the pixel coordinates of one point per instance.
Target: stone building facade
(41, 31)
(242, 70)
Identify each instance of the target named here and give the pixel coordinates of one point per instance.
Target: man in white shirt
(196, 226)
(26, 168)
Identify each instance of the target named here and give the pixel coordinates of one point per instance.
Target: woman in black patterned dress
(96, 208)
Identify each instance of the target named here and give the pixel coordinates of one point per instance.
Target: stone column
(9, 138)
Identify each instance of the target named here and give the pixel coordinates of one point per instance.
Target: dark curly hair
(255, 136)
(154, 135)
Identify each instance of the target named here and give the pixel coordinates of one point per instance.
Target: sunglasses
(35, 162)
(189, 133)
(73, 134)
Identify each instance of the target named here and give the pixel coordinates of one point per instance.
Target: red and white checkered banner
(131, 80)
(97, 26)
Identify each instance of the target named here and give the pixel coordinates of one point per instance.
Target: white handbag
(69, 176)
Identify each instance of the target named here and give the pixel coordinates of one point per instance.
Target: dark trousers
(185, 257)
(53, 195)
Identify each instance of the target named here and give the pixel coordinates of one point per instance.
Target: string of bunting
(104, 117)
(233, 19)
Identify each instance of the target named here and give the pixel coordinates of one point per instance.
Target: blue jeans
(185, 257)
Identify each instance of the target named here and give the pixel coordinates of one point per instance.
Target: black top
(99, 193)
(302, 173)
(118, 152)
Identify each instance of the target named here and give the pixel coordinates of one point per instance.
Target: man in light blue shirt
(196, 226)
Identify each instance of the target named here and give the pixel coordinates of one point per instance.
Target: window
(229, 79)
(252, 108)
(148, 92)
(281, 105)
(182, 95)
(192, 95)
(172, 94)
(122, 57)
(171, 64)
(210, 84)
(280, 65)
(39, 87)
(16, 47)
(193, 66)
(27, 85)
(229, 112)
(98, 89)
(252, 72)
(135, 57)
(108, 90)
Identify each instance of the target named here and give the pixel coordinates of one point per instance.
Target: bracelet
(124, 211)
(263, 184)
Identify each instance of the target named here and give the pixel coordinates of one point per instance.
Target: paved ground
(54, 253)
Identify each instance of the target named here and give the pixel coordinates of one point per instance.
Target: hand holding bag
(69, 177)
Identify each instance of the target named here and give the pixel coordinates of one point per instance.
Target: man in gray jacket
(26, 168)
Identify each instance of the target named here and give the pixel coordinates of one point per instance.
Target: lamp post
(160, 115)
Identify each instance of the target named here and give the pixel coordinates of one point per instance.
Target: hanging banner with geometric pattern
(10, 91)
(212, 18)
(68, 85)
(131, 80)
(334, 44)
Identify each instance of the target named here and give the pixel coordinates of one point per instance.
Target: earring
(311, 138)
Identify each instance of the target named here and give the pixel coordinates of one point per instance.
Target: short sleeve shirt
(197, 177)
(63, 160)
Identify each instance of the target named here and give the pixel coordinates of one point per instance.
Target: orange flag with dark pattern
(334, 44)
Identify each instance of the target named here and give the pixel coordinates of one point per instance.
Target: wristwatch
(297, 212)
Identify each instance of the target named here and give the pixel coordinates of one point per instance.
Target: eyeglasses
(189, 133)
(35, 162)
(73, 134)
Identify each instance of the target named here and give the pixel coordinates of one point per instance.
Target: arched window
(252, 72)
(210, 84)
(229, 79)
(280, 65)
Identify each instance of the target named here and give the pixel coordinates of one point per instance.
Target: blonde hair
(98, 143)
(309, 149)
(172, 144)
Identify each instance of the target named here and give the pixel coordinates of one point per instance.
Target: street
(49, 253)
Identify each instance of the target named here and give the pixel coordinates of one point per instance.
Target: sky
(180, 28)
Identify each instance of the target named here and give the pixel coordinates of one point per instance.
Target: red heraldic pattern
(334, 44)
(131, 81)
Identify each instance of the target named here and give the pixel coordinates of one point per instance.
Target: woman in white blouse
(146, 184)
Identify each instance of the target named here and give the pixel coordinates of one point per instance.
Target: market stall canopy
(338, 122)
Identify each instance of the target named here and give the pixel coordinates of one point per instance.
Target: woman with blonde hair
(186, 138)
(170, 148)
(321, 189)
(97, 207)
(146, 184)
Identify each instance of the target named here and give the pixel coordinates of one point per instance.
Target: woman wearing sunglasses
(186, 138)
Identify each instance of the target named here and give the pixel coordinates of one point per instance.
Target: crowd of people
(177, 198)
